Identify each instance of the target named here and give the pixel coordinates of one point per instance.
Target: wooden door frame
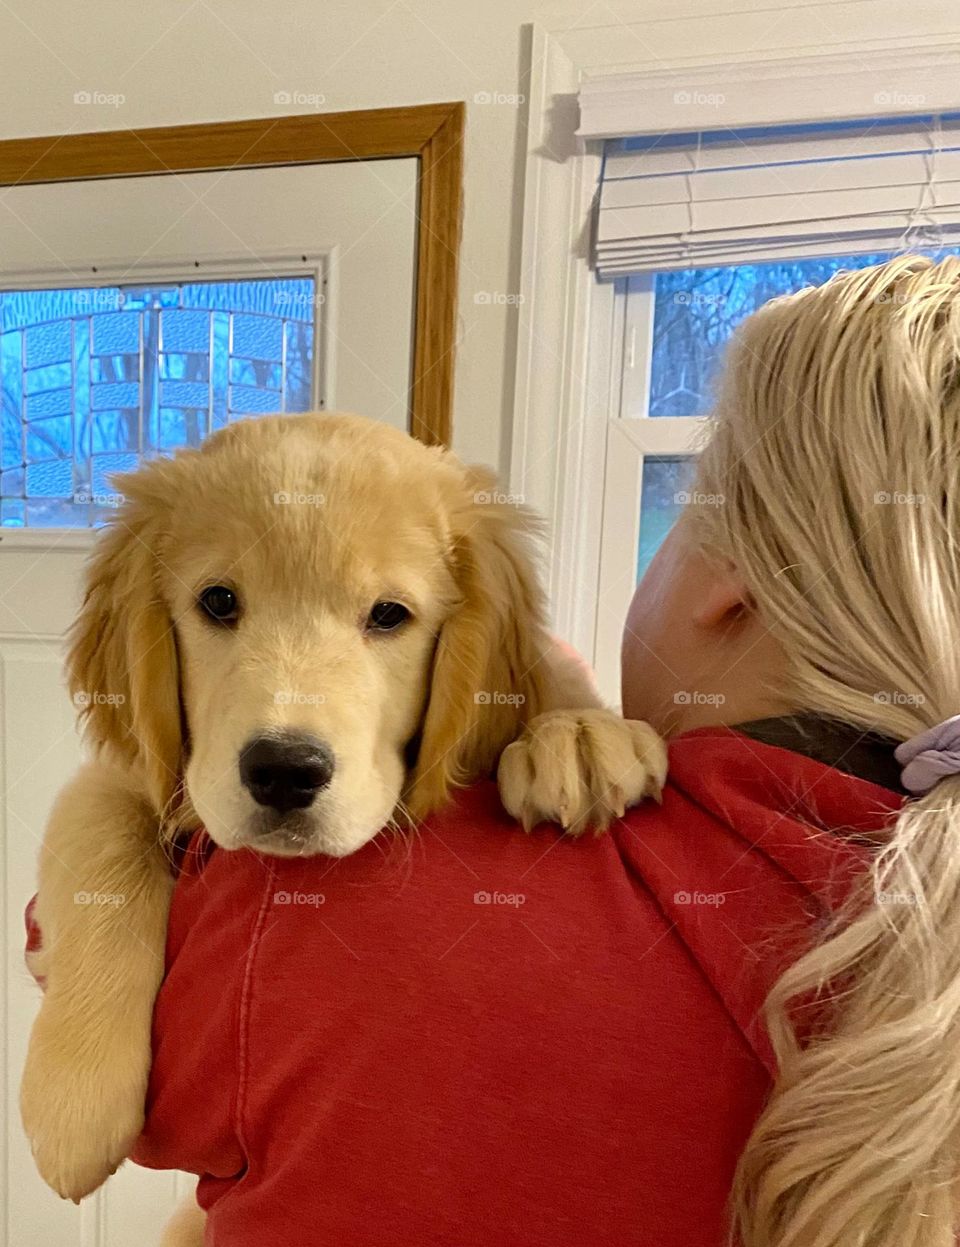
(433, 133)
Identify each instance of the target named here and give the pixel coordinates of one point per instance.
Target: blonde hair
(837, 451)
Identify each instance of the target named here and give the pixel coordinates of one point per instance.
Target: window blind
(720, 197)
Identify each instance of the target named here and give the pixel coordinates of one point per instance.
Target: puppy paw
(81, 1100)
(580, 768)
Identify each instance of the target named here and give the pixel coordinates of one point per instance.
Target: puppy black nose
(285, 771)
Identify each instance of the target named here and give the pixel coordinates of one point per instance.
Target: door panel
(355, 223)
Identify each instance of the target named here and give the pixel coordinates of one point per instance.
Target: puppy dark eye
(220, 603)
(387, 616)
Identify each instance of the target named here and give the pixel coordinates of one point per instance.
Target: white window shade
(719, 197)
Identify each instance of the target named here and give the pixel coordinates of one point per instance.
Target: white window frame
(574, 456)
(631, 436)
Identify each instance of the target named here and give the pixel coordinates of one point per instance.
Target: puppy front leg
(102, 908)
(576, 762)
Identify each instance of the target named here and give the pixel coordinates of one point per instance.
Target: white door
(173, 304)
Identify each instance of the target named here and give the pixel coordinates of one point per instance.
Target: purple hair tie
(930, 756)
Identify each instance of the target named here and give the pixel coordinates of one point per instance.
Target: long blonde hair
(837, 452)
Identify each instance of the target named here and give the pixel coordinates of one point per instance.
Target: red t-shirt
(478, 1038)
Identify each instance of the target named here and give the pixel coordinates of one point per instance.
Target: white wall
(179, 61)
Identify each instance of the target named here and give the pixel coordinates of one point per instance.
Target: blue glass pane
(114, 430)
(120, 394)
(49, 403)
(81, 403)
(12, 513)
(697, 310)
(49, 439)
(220, 370)
(665, 492)
(256, 372)
(11, 364)
(115, 368)
(184, 367)
(95, 379)
(173, 430)
(12, 440)
(289, 297)
(101, 468)
(184, 394)
(298, 391)
(116, 334)
(13, 483)
(54, 512)
(185, 331)
(53, 377)
(258, 337)
(48, 343)
(247, 401)
(20, 309)
(53, 479)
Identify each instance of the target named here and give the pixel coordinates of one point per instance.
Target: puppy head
(303, 622)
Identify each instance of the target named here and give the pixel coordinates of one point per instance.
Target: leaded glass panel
(94, 380)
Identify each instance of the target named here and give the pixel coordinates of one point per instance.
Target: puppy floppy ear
(488, 677)
(122, 658)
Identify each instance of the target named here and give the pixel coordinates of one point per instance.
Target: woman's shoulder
(752, 851)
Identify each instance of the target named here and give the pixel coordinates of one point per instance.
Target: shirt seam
(243, 1019)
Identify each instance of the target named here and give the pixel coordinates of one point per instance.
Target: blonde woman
(529, 1042)
(833, 563)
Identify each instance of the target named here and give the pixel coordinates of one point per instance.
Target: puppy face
(303, 606)
(308, 594)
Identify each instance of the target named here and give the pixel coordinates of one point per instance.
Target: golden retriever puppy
(309, 629)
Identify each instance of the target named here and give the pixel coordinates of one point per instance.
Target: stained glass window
(96, 379)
